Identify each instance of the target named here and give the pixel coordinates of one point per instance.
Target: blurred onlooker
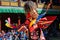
(11, 36)
(3, 32)
(0, 36)
(13, 32)
(16, 37)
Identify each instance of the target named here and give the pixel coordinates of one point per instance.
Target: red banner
(44, 22)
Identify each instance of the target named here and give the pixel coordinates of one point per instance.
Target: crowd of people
(13, 35)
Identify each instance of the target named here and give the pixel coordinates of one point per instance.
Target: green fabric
(21, 10)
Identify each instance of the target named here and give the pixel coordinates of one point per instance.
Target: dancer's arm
(20, 28)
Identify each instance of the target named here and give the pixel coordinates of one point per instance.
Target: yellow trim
(22, 4)
(14, 3)
(32, 22)
(5, 3)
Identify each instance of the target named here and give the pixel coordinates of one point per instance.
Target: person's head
(12, 30)
(30, 7)
(3, 32)
(0, 34)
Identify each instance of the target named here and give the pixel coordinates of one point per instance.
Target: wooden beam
(19, 3)
(37, 3)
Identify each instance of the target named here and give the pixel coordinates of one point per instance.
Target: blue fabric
(16, 33)
(8, 33)
(21, 32)
(45, 33)
(40, 16)
(11, 37)
(24, 37)
(0, 38)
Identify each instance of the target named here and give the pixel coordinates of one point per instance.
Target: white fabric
(42, 36)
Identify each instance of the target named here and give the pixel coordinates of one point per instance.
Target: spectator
(16, 37)
(0, 36)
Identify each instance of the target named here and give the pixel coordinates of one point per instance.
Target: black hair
(28, 5)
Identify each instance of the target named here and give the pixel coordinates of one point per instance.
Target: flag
(44, 23)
